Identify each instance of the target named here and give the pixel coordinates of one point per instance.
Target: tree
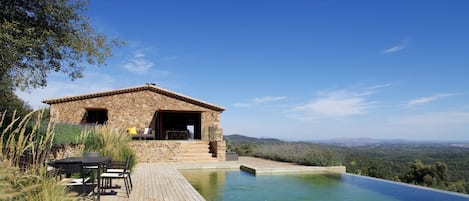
(41, 36)
(10, 102)
(427, 175)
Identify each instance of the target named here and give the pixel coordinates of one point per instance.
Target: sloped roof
(149, 87)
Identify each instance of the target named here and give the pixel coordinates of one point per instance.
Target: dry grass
(23, 141)
(108, 141)
(25, 147)
(24, 150)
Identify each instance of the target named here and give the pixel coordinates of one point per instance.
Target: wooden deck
(163, 182)
(156, 182)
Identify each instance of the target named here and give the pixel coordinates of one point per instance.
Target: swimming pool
(223, 185)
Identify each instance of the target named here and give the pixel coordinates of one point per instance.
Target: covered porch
(177, 125)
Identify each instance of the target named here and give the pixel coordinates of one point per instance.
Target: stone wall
(146, 151)
(133, 109)
(157, 151)
(221, 150)
(211, 129)
(154, 151)
(218, 149)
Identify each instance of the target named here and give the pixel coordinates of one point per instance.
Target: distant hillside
(356, 142)
(241, 139)
(346, 142)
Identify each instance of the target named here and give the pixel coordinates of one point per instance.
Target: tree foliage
(427, 175)
(41, 36)
(10, 102)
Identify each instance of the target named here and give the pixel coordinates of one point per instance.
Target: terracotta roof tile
(134, 89)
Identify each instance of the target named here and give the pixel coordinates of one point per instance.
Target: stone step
(194, 145)
(189, 154)
(191, 151)
(195, 151)
(193, 142)
(198, 160)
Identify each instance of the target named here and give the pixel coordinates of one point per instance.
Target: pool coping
(411, 185)
(259, 166)
(295, 169)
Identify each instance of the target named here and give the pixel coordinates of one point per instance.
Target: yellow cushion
(132, 131)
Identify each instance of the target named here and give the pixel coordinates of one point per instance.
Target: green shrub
(67, 133)
(109, 142)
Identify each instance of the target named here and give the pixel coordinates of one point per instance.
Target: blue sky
(295, 70)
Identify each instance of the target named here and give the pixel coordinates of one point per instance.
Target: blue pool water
(219, 185)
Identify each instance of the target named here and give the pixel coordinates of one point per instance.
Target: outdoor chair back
(91, 154)
(69, 168)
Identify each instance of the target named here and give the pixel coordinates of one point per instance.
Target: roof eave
(139, 88)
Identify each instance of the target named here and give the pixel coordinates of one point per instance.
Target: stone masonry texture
(133, 109)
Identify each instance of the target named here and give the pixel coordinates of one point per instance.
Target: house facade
(163, 113)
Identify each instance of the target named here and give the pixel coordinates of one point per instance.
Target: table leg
(99, 181)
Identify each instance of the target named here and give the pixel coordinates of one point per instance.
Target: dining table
(91, 163)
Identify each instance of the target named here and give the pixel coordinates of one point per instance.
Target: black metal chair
(119, 174)
(69, 168)
(120, 167)
(91, 154)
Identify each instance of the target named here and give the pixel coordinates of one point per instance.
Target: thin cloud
(396, 48)
(138, 64)
(241, 104)
(139, 54)
(336, 104)
(56, 88)
(428, 99)
(268, 99)
(380, 86)
(260, 100)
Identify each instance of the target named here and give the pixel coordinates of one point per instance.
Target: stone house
(164, 114)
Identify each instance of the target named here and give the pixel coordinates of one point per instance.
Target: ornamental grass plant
(108, 141)
(25, 146)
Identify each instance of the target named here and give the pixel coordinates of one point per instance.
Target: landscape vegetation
(38, 38)
(41, 37)
(436, 165)
(28, 142)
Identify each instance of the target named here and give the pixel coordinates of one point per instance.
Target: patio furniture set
(92, 172)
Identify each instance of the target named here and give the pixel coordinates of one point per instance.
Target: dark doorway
(96, 116)
(176, 125)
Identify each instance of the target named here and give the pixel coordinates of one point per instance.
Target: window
(96, 116)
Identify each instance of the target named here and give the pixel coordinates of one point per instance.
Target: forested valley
(436, 165)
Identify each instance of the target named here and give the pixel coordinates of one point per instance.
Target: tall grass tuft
(109, 142)
(20, 185)
(25, 147)
(22, 141)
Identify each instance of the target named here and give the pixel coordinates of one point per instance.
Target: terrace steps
(195, 151)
